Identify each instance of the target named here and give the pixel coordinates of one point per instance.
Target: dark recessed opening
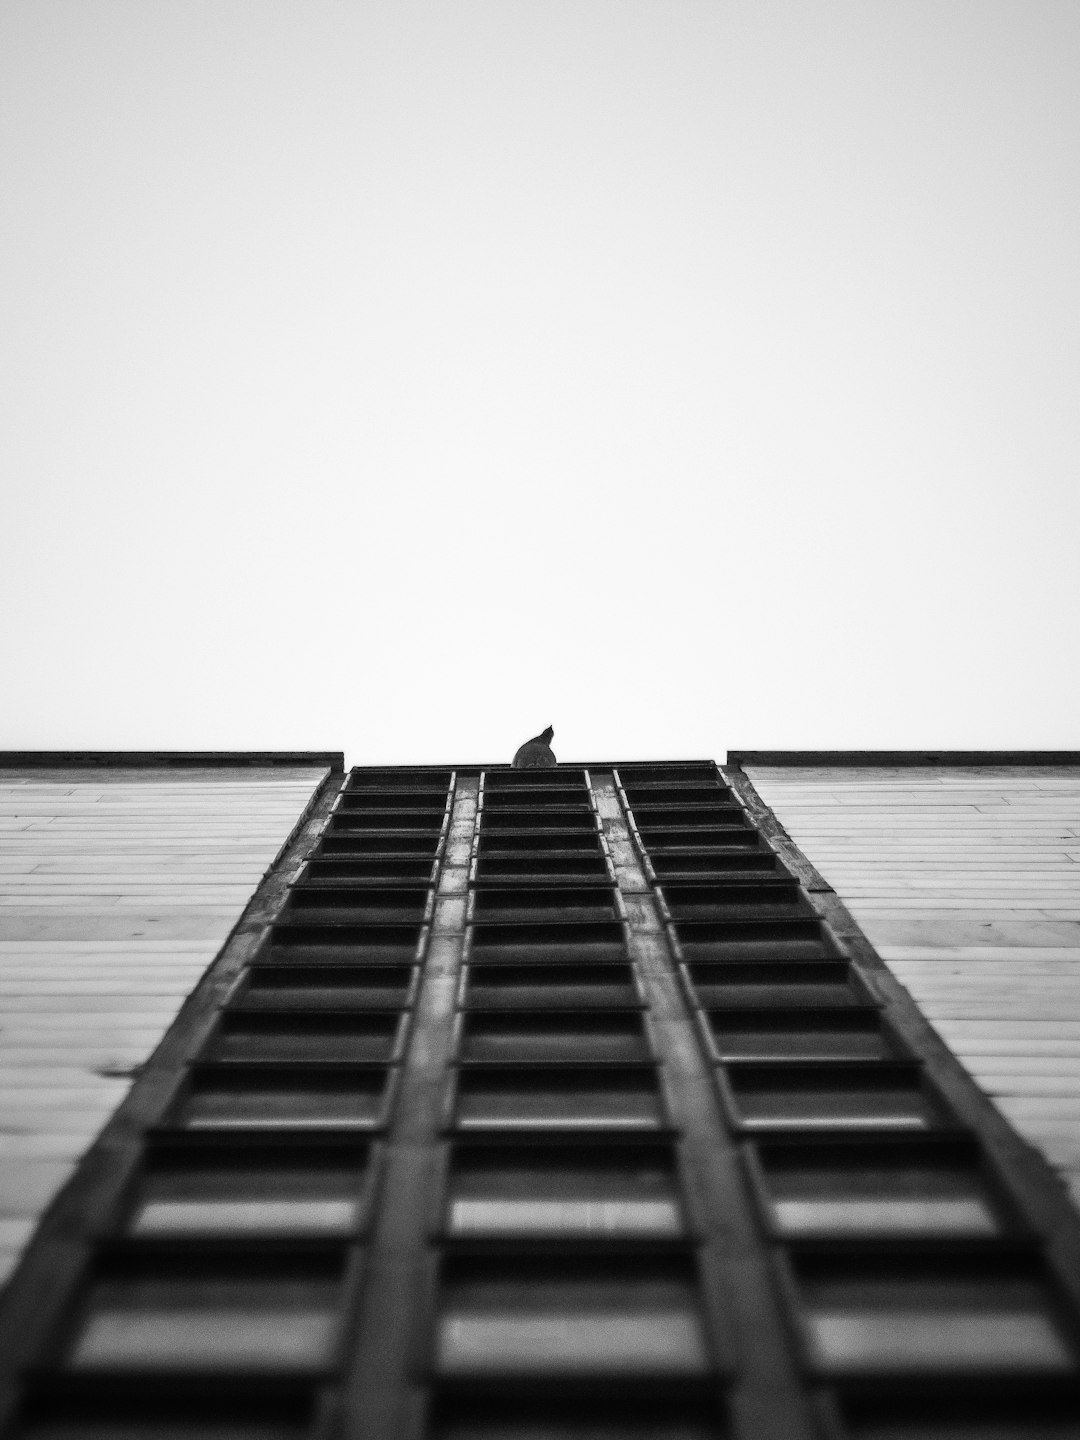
(986, 1411)
(393, 777)
(558, 1097)
(301, 1038)
(342, 944)
(536, 798)
(553, 842)
(555, 943)
(716, 865)
(387, 822)
(707, 837)
(562, 778)
(694, 772)
(563, 1191)
(932, 1312)
(525, 903)
(893, 1187)
(358, 904)
(287, 1097)
(250, 1190)
(649, 818)
(67, 1411)
(501, 987)
(372, 868)
(578, 817)
(411, 802)
(749, 940)
(542, 866)
(594, 1414)
(801, 1034)
(628, 1314)
(806, 983)
(549, 1036)
(688, 793)
(379, 843)
(331, 987)
(145, 1311)
(767, 897)
(887, 1097)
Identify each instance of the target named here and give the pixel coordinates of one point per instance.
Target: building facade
(565, 1103)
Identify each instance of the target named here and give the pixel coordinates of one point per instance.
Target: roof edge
(48, 759)
(903, 757)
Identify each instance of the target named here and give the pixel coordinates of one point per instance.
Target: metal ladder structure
(548, 1105)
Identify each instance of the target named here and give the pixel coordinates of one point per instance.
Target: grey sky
(410, 376)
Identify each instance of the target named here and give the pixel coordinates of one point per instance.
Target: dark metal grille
(218, 1287)
(547, 1104)
(912, 1281)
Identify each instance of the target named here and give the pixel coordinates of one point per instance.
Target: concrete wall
(117, 888)
(967, 882)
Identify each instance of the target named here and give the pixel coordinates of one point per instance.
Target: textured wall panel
(967, 881)
(117, 888)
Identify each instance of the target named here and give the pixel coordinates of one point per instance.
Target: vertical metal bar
(383, 1394)
(767, 1399)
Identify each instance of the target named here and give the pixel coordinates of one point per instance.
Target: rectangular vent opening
(584, 842)
(394, 777)
(299, 1038)
(746, 941)
(801, 1034)
(343, 945)
(579, 1317)
(545, 944)
(885, 1189)
(372, 868)
(699, 866)
(767, 897)
(413, 803)
(785, 987)
(564, 1192)
(291, 1097)
(379, 843)
(691, 772)
(527, 867)
(67, 1411)
(564, 903)
(509, 987)
(687, 793)
(593, 1415)
(677, 839)
(988, 1412)
(579, 818)
(216, 1314)
(932, 1313)
(357, 905)
(545, 1036)
(830, 1097)
(570, 779)
(536, 797)
(248, 1190)
(387, 823)
(559, 1098)
(326, 987)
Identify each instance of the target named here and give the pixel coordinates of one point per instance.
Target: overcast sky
(407, 377)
